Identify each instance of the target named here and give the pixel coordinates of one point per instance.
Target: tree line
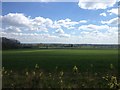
(9, 43)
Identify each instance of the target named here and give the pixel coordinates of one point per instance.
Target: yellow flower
(26, 73)
(40, 74)
(50, 75)
(33, 73)
(111, 66)
(61, 81)
(36, 66)
(114, 80)
(111, 85)
(10, 71)
(61, 73)
(103, 77)
(5, 72)
(75, 69)
(60, 77)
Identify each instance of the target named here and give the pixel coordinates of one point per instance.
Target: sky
(80, 22)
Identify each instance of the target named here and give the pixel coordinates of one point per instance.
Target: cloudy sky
(79, 22)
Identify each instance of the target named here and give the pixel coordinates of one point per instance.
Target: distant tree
(72, 45)
(10, 43)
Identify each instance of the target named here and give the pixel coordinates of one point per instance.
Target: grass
(61, 68)
(64, 59)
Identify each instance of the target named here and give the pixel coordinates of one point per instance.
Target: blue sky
(55, 10)
(60, 22)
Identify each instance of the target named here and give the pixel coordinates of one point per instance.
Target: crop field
(55, 63)
(65, 59)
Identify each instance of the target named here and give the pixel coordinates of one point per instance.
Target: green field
(60, 68)
(64, 59)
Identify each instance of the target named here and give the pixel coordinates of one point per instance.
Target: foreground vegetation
(37, 78)
(60, 68)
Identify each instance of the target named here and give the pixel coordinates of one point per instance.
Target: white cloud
(113, 29)
(67, 23)
(64, 35)
(23, 22)
(92, 27)
(94, 34)
(27, 29)
(15, 19)
(103, 14)
(12, 29)
(114, 11)
(56, 25)
(84, 38)
(83, 21)
(59, 31)
(26, 23)
(40, 21)
(113, 21)
(41, 24)
(96, 4)
(108, 37)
